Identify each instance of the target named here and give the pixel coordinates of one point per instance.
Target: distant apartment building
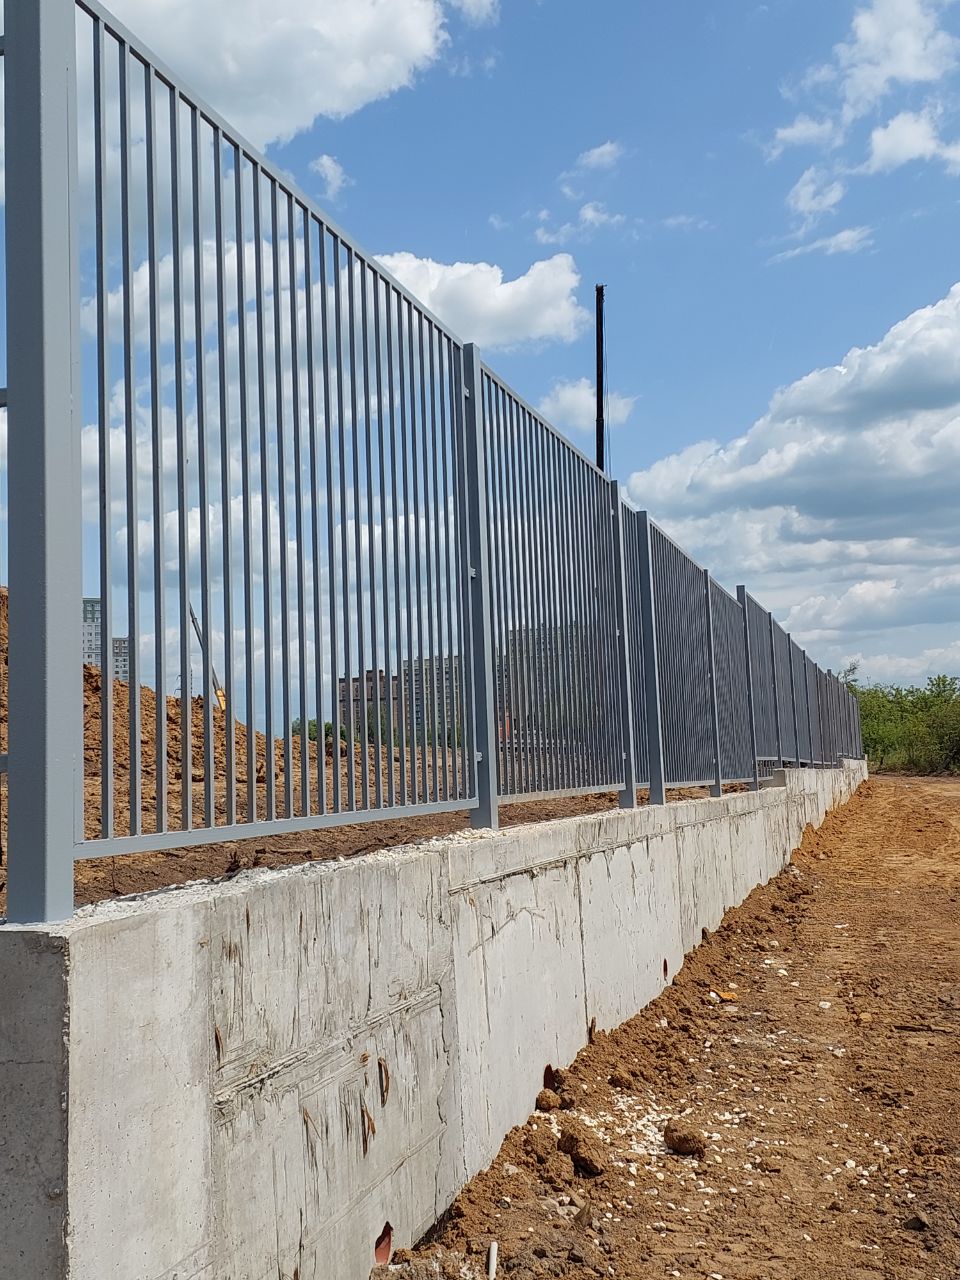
(92, 640)
(425, 693)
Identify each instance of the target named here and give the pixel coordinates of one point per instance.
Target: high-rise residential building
(92, 630)
(92, 639)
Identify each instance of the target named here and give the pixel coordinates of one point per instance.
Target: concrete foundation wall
(248, 1080)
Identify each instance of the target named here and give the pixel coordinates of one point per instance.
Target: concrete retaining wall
(247, 1080)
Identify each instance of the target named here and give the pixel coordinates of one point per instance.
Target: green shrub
(911, 728)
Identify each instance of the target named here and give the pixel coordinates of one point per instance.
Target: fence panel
(680, 610)
(736, 756)
(813, 709)
(761, 663)
(281, 506)
(276, 516)
(553, 588)
(788, 736)
(798, 661)
(828, 742)
(632, 551)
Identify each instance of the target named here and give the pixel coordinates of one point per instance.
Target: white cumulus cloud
(480, 306)
(606, 156)
(839, 506)
(893, 42)
(272, 69)
(333, 174)
(911, 135)
(572, 405)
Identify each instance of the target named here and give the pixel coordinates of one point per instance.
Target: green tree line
(914, 729)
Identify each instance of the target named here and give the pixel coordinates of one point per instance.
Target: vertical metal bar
(363, 726)
(292, 220)
(417, 556)
(315, 507)
(229, 715)
(449, 575)
(209, 814)
(503, 605)
(282, 503)
(478, 568)
(395, 350)
(426, 556)
(246, 496)
(751, 695)
(793, 702)
(183, 504)
(411, 662)
(518, 535)
(103, 427)
(437, 527)
(628, 796)
(547, 578)
(385, 739)
(651, 678)
(156, 431)
(466, 687)
(328, 428)
(45, 700)
(776, 691)
(544, 579)
(130, 435)
(535, 571)
(344, 544)
(266, 530)
(367, 274)
(716, 788)
(609, 606)
(580, 596)
(382, 290)
(571, 768)
(806, 702)
(562, 640)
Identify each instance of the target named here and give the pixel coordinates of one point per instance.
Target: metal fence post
(628, 796)
(742, 599)
(486, 813)
(44, 520)
(651, 678)
(776, 692)
(717, 788)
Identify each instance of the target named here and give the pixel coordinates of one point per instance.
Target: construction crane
(218, 692)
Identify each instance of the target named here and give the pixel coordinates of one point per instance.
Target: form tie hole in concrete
(666, 971)
(384, 1246)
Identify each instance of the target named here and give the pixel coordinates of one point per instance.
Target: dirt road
(812, 1045)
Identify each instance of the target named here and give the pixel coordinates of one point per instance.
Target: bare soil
(807, 1055)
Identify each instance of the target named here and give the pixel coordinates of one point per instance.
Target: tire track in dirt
(813, 1043)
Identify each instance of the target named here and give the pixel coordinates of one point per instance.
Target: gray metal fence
(550, 532)
(359, 576)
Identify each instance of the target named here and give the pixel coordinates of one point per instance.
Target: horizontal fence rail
(283, 552)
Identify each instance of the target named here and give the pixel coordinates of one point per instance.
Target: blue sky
(769, 192)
